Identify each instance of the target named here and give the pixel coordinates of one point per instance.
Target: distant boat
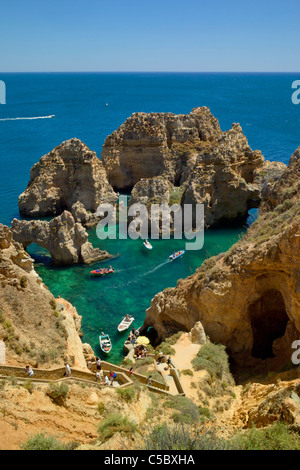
(176, 255)
(125, 324)
(102, 272)
(105, 343)
(147, 245)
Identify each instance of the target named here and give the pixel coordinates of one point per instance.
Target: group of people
(140, 352)
(99, 375)
(133, 335)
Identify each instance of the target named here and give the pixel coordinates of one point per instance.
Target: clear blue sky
(149, 35)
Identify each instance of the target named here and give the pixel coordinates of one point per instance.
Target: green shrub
(275, 437)
(42, 442)
(127, 394)
(101, 408)
(180, 437)
(115, 423)
(187, 372)
(58, 393)
(213, 358)
(28, 385)
(204, 412)
(186, 410)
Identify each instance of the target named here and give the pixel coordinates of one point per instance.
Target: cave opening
(268, 322)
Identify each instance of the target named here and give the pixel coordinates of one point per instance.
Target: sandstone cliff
(65, 239)
(34, 326)
(202, 164)
(71, 172)
(156, 144)
(249, 298)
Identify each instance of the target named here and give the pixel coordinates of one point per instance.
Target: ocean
(90, 106)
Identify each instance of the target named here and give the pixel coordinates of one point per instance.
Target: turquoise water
(139, 275)
(261, 103)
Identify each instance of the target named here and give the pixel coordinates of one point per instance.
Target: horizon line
(153, 71)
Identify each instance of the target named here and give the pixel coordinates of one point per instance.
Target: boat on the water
(147, 245)
(102, 271)
(105, 343)
(125, 323)
(176, 255)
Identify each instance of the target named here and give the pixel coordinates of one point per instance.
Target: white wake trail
(28, 118)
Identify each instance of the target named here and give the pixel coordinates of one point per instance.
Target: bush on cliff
(115, 423)
(213, 358)
(58, 393)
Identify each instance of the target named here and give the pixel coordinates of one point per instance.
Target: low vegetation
(116, 423)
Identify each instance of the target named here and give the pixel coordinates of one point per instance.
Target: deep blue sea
(261, 103)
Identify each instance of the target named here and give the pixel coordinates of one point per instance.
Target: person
(160, 356)
(149, 382)
(127, 317)
(131, 371)
(89, 365)
(68, 370)
(106, 380)
(29, 371)
(97, 376)
(98, 363)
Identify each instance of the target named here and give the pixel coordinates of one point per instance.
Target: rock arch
(66, 241)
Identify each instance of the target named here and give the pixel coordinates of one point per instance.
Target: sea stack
(70, 173)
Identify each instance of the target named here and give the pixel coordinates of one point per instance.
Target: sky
(155, 35)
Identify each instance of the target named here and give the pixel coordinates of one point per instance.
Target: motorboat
(105, 343)
(125, 323)
(147, 245)
(102, 271)
(176, 255)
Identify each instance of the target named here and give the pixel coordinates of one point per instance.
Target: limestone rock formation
(66, 240)
(33, 326)
(202, 164)
(71, 172)
(249, 298)
(197, 334)
(156, 144)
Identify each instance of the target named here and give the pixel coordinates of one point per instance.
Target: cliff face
(156, 144)
(33, 325)
(71, 172)
(248, 298)
(65, 239)
(202, 164)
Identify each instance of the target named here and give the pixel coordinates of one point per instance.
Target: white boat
(147, 245)
(125, 324)
(176, 255)
(105, 343)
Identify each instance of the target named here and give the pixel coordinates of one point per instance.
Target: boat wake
(28, 118)
(140, 276)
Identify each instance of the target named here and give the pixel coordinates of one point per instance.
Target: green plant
(181, 437)
(28, 385)
(43, 442)
(186, 410)
(275, 437)
(101, 408)
(115, 423)
(127, 394)
(213, 358)
(58, 393)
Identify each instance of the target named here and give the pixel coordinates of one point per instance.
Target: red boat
(102, 271)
